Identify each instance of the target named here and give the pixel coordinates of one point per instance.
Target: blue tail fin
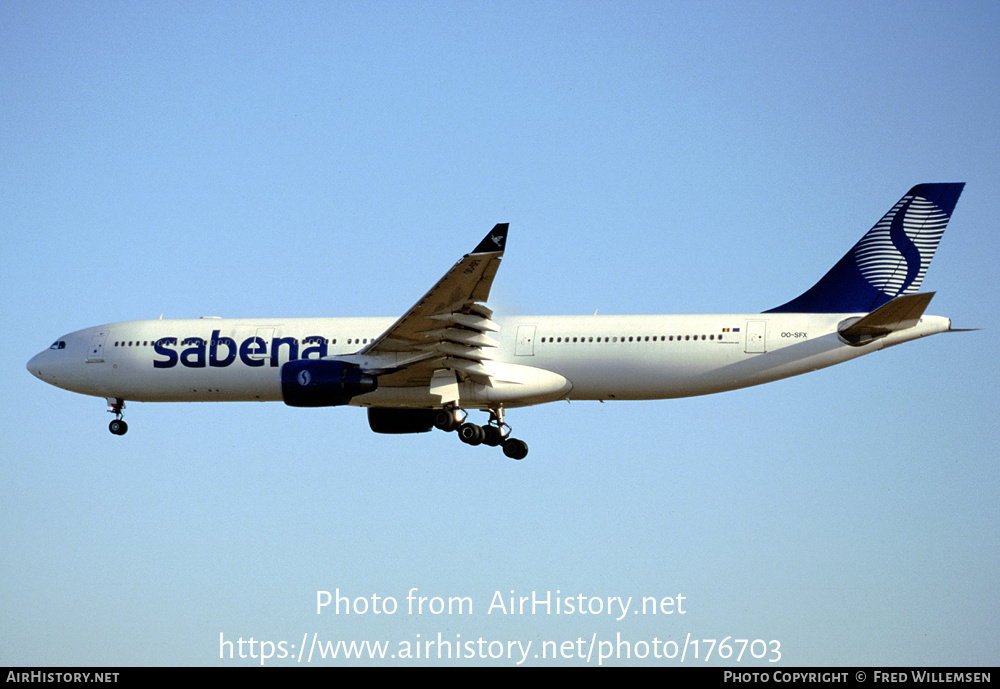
(889, 261)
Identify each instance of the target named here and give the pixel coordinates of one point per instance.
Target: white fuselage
(539, 358)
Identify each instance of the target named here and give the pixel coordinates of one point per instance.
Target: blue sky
(328, 159)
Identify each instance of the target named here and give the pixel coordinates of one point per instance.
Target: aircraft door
(525, 343)
(95, 354)
(756, 331)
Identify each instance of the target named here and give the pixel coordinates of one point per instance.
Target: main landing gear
(494, 433)
(115, 406)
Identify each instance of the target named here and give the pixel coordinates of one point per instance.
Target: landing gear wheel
(515, 449)
(116, 405)
(471, 434)
(445, 420)
(492, 436)
(495, 433)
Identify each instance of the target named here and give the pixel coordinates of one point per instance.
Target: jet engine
(401, 420)
(323, 383)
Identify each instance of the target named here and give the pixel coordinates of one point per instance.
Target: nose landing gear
(496, 433)
(115, 406)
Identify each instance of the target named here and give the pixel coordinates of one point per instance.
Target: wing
(447, 331)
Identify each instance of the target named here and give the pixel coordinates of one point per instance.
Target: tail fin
(889, 261)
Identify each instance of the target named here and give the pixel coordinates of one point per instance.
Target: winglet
(494, 241)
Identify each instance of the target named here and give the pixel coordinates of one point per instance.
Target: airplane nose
(57, 365)
(34, 365)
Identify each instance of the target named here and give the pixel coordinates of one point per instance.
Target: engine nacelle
(401, 420)
(323, 383)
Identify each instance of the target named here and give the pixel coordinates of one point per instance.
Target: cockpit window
(58, 344)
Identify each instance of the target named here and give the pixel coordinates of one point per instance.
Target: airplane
(448, 353)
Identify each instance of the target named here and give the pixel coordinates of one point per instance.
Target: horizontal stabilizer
(899, 314)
